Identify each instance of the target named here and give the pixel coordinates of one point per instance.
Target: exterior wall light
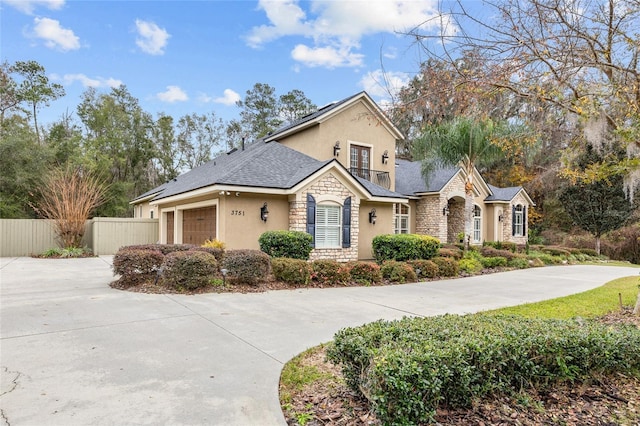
(264, 213)
(500, 217)
(445, 211)
(336, 149)
(372, 216)
(385, 157)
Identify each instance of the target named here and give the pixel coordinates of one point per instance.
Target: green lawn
(592, 303)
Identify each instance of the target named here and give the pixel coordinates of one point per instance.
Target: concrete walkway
(73, 351)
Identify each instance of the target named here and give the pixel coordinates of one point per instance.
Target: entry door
(170, 222)
(360, 161)
(198, 225)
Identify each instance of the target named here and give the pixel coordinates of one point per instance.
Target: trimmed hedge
(189, 269)
(453, 252)
(163, 248)
(330, 272)
(447, 266)
(424, 268)
(247, 266)
(470, 265)
(398, 272)
(217, 252)
(494, 262)
(408, 368)
(365, 272)
(290, 244)
(291, 271)
(135, 265)
(402, 247)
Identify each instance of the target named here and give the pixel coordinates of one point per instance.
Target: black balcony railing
(375, 176)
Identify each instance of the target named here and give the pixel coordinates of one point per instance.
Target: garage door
(198, 225)
(170, 228)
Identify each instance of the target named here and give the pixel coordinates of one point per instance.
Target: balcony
(378, 177)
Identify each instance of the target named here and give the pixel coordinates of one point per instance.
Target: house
(333, 174)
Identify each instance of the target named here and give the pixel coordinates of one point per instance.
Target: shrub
(327, 271)
(402, 247)
(447, 266)
(189, 269)
(556, 251)
(291, 244)
(215, 244)
(407, 368)
(291, 271)
(247, 266)
(452, 252)
(424, 268)
(495, 262)
(398, 272)
(217, 252)
(365, 272)
(470, 265)
(163, 248)
(488, 251)
(520, 263)
(136, 266)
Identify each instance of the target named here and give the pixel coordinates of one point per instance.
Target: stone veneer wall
(508, 219)
(326, 185)
(429, 217)
(455, 221)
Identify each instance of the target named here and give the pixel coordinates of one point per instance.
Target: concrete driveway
(76, 352)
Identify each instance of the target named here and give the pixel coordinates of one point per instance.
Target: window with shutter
(328, 226)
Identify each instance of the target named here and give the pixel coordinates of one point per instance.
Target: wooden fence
(103, 235)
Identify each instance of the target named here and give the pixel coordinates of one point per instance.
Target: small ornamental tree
(68, 197)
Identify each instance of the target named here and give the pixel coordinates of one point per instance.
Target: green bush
(398, 272)
(330, 272)
(470, 265)
(403, 247)
(556, 251)
(495, 262)
(365, 272)
(291, 244)
(189, 269)
(424, 268)
(447, 266)
(136, 266)
(408, 368)
(291, 271)
(488, 251)
(217, 252)
(247, 266)
(502, 245)
(519, 263)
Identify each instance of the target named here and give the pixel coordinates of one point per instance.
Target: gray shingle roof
(503, 194)
(409, 179)
(261, 164)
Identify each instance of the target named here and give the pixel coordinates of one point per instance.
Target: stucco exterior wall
(383, 225)
(354, 125)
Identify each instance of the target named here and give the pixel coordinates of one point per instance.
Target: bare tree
(69, 196)
(578, 57)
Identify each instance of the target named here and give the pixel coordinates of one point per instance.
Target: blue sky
(181, 57)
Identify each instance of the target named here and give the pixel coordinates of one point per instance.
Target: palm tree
(463, 142)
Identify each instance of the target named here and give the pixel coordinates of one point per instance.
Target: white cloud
(380, 84)
(328, 57)
(96, 82)
(339, 26)
(54, 35)
(152, 39)
(229, 98)
(28, 6)
(173, 94)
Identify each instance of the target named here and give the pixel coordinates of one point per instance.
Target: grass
(593, 303)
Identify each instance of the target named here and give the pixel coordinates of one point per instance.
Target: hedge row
(402, 247)
(407, 368)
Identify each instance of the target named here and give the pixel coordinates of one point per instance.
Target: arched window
(518, 220)
(477, 224)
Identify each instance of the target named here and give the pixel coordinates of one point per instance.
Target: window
(477, 224)
(360, 163)
(401, 218)
(328, 226)
(518, 221)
